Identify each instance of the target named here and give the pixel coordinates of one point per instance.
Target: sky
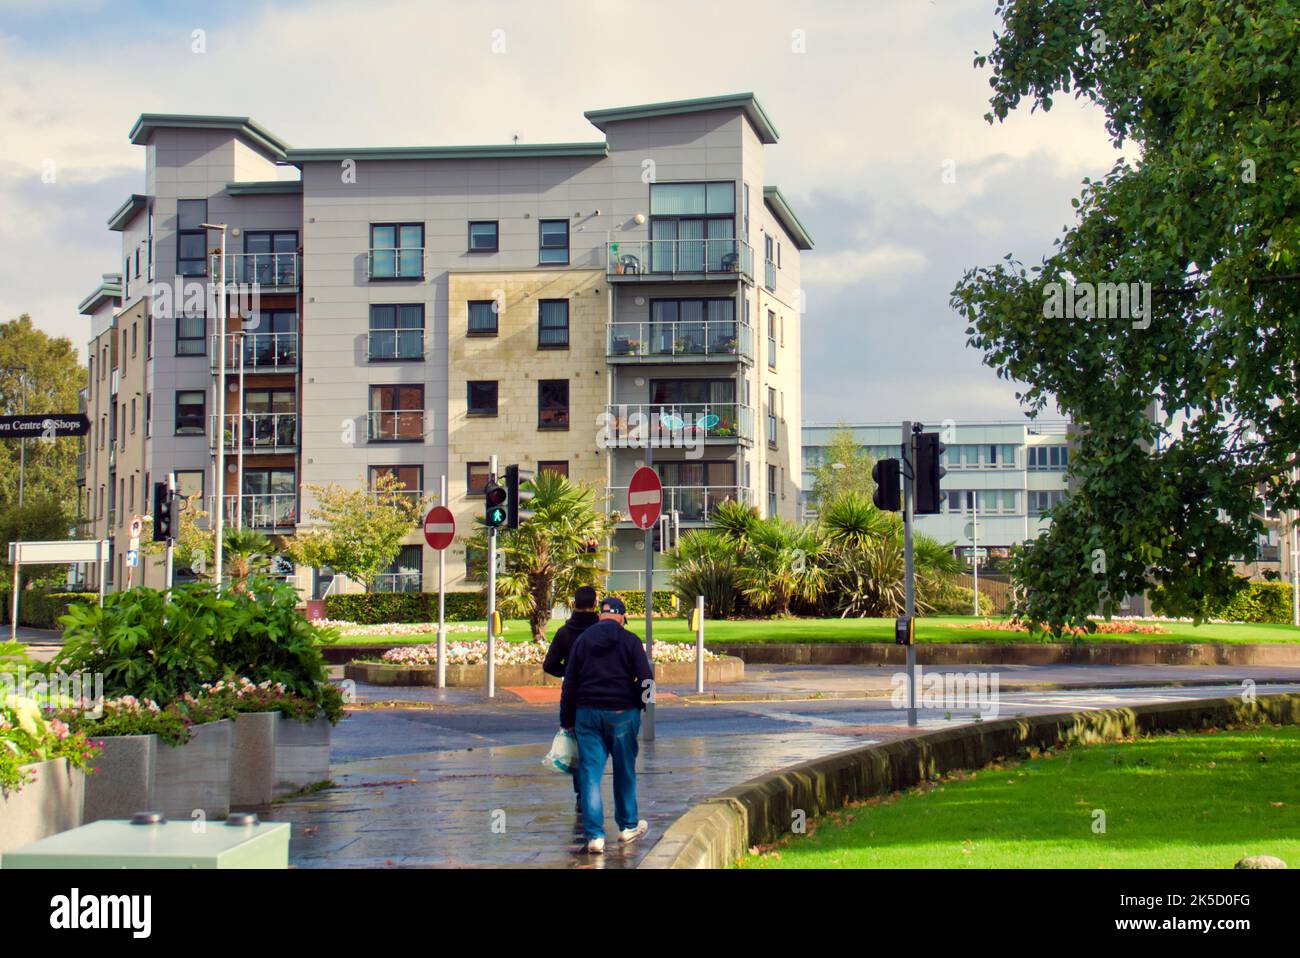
(884, 152)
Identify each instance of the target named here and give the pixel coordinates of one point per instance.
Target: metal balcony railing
(266, 511)
(697, 339)
(678, 424)
(389, 263)
(680, 259)
(395, 344)
(267, 270)
(262, 432)
(396, 582)
(691, 503)
(395, 425)
(262, 353)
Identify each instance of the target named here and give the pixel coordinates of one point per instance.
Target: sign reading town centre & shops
(48, 426)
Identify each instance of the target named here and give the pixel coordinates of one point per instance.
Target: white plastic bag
(563, 756)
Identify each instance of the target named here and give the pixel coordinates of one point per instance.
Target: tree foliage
(1185, 410)
(853, 475)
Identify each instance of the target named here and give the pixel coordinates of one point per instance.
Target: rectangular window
(396, 414)
(771, 492)
(746, 212)
(553, 242)
(552, 324)
(135, 338)
(483, 236)
(476, 477)
(148, 334)
(411, 478)
(126, 278)
(131, 493)
(192, 334)
(189, 483)
(191, 239)
(693, 228)
(137, 262)
(553, 404)
(189, 412)
(557, 466)
(404, 574)
(771, 340)
(482, 317)
(133, 415)
(481, 397)
(270, 258)
(397, 332)
(148, 415)
(397, 251)
(771, 416)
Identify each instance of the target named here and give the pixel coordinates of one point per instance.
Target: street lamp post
(239, 435)
(221, 409)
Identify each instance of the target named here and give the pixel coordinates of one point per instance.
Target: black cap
(613, 604)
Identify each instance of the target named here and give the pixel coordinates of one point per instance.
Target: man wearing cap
(606, 685)
(557, 655)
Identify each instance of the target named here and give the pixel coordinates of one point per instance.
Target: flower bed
(27, 737)
(1102, 628)
(507, 653)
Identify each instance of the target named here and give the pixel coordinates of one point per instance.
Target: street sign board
(137, 526)
(977, 554)
(645, 497)
(48, 426)
(439, 527)
(132, 558)
(30, 553)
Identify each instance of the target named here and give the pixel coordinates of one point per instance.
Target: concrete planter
(196, 776)
(725, 669)
(53, 803)
(302, 754)
(123, 781)
(252, 760)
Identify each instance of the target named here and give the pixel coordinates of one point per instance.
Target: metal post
(975, 550)
(442, 578)
(170, 571)
(908, 481)
(239, 436)
(648, 732)
(217, 552)
(103, 561)
(13, 622)
(699, 644)
(22, 449)
(492, 596)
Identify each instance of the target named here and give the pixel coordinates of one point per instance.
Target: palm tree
(781, 565)
(706, 562)
(552, 552)
(246, 552)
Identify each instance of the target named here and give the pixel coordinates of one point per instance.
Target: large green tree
(845, 469)
(1188, 405)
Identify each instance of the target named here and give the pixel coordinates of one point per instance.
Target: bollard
(699, 644)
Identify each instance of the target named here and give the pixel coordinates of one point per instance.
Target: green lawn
(1188, 800)
(930, 629)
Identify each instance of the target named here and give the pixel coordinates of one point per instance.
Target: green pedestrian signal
(494, 497)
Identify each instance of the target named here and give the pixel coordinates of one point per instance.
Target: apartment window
(558, 466)
(396, 250)
(90, 369)
(397, 332)
(148, 334)
(771, 416)
(1042, 500)
(148, 415)
(483, 236)
(553, 242)
(137, 262)
(269, 499)
(693, 327)
(404, 574)
(396, 413)
(771, 340)
(189, 412)
(103, 365)
(553, 404)
(1048, 458)
(271, 259)
(150, 247)
(145, 491)
(476, 477)
(553, 324)
(771, 492)
(746, 212)
(693, 227)
(481, 397)
(133, 415)
(191, 239)
(191, 334)
(135, 338)
(103, 429)
(482, 317)
(410, 478)
(131, 493)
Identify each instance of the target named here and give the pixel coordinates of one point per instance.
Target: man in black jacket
(584, 616)
(607, 683)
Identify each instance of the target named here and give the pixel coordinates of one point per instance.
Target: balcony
(267, 512)
(262, 353)
(262, 432)
(680, 259)
(270, 272)
(395, 425)
(682, 341)
(395, 263)
(691, 503)
(678, 425)
(395, 345)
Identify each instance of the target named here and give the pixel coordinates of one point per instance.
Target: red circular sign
(645, 497)
(439, 527)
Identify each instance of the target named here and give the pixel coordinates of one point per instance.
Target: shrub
(1254, 602)
(635, 602)
(374, 608)
(40, 609)
(129, 715)
(27, 737)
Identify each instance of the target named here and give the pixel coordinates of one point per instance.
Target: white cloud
(862, 265)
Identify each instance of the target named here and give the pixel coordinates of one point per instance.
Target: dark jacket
(607, 669)
(558, 654)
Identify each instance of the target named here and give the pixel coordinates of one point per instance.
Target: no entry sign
(439, 527)
(645, 497)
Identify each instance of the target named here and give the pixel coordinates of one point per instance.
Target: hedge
(376, 608)
(41, 610)
(1268, 602)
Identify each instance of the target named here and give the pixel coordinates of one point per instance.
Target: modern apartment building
(415, 311)
(1000, 475)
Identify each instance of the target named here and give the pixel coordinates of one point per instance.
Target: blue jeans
(602, 734)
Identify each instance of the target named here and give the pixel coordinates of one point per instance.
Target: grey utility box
(121, 844)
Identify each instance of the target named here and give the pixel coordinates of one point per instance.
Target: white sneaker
(632, 834)
(596, 846)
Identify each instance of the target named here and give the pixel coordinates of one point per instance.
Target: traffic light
(166, 513)
(888, 495)
(517, 497)
(494, 498)
(928, 456)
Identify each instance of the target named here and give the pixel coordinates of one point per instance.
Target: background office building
(1002, 475)
(421, 309)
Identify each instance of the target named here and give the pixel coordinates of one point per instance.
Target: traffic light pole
(648, 731)
(909, 480)
(492, 596)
